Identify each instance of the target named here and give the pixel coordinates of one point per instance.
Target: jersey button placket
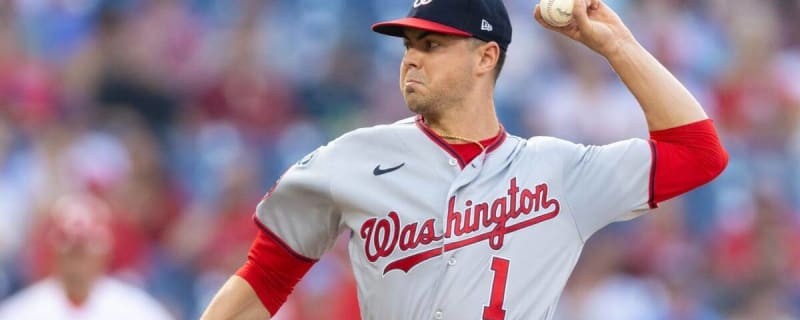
(451, 262)
(438, 315)
(453, 162)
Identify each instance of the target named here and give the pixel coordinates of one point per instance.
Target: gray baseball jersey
(434, 238)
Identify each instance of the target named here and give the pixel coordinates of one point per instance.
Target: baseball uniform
(435, 237)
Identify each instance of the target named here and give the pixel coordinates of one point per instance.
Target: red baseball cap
(482, 19)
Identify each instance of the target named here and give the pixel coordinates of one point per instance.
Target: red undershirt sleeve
(273, 269)
(685, 158)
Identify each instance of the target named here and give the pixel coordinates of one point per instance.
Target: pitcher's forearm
(665, 101)
(236, 300)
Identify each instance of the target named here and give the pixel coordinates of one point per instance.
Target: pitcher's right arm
(236, 300)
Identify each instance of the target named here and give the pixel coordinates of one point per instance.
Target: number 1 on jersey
(494, 311)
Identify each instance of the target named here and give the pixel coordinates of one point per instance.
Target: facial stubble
(428, 100)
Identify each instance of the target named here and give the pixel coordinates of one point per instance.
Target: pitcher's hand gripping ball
(557, 13)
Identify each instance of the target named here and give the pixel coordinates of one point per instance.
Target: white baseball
(557, 13)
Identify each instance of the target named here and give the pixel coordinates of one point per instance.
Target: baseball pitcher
(450, 216)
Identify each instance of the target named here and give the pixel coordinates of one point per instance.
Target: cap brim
(395, 27)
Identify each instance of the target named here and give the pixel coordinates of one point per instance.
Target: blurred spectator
(79, 235)
(762, 301)
(755, 101)
(602, 288)
(598, 112)
(754, 255)
(245, 91)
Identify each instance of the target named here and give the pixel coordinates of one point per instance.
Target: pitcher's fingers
(537, 14)
(579, 13)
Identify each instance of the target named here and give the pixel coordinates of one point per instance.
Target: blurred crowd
(180, 114)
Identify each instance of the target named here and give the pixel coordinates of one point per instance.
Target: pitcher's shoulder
(380, 134)
(566, 150)
(548, 143)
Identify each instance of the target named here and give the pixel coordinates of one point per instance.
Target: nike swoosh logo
(378, 171)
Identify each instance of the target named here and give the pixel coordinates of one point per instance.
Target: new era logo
(485, 25)
(418, 3)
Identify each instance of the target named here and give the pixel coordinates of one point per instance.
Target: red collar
(463, 152)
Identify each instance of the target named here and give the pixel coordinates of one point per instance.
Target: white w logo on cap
(418, 3)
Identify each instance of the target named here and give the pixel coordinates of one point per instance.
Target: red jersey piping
(652, 192)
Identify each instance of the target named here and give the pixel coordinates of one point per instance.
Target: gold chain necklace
(455, 137)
